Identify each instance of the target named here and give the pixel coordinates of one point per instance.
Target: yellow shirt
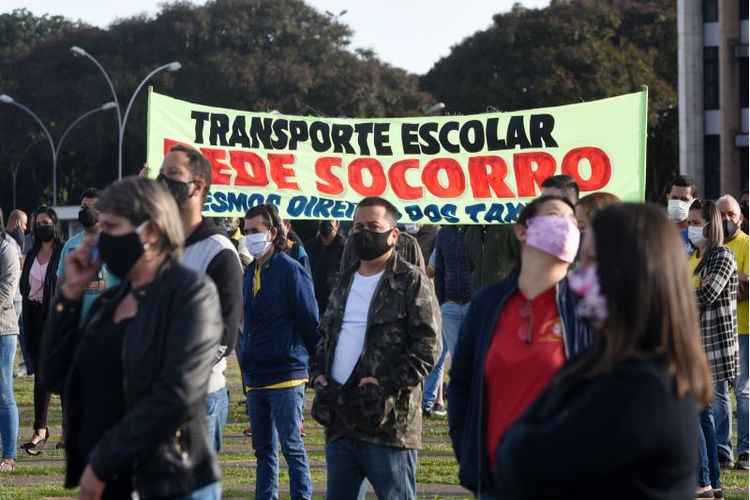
(693, 263)
(281, 385)
(739, 247)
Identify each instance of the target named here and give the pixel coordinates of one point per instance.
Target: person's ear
(150, 236)
(199, 186)
(273, 232)
(520, 231)
(393, 238)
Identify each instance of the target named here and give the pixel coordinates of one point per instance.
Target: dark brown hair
(645, 279)
(198, 165)
(684, 181)
(376, 201)
(593, 202)
(713, 232)
(272, 220)
(564, 183)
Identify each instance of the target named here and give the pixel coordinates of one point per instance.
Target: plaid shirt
(717, 301)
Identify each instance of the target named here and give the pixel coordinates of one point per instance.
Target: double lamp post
(114, 104)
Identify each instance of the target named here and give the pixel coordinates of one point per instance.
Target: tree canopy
(284, 55)
(569, 52)
(246, 54)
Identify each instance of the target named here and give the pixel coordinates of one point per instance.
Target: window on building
(710, 11)
(712, 166)
(743, 9)
(711, 77)
(743, 82)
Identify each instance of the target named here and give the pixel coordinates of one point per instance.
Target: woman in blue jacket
(279, 334)
(517, 334)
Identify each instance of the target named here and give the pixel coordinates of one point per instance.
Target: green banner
(473, 169)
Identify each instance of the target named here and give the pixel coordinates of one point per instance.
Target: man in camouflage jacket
(380, 337)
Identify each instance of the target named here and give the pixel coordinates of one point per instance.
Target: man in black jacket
(187, 175)
(325, 251)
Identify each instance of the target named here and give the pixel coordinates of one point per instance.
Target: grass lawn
(41, 477)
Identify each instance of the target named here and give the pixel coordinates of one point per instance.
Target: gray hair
(140, 199)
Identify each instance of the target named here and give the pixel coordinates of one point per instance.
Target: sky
(410, 34)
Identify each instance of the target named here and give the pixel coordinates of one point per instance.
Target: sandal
(35, 447)
(7, 465)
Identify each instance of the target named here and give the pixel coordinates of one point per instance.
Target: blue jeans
(708, 459)
(217, 409)
(391, 471)
(722, 409)
(275, 417)
(210, 492)
(8, 407)
(742, 391)
(453, 316)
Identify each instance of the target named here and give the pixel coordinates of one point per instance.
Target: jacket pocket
(324, 404)
(369, 408)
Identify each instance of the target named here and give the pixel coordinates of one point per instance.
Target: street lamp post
(6, 99)
(173, 66)
(58, 148)
(122, 119)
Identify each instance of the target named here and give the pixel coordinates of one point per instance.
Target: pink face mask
(584, 282)
(554, 235)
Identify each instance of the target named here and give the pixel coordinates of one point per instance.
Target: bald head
(17, 219)
(729, 208)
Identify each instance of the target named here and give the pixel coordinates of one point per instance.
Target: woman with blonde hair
(135, 373)
(716, 282)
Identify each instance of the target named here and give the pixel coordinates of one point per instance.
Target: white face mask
(257, 244)
(678, 210)
(411, 228)
(695, 235)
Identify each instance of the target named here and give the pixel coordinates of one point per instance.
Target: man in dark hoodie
(187, 175)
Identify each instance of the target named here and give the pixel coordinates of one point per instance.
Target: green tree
(245, 54)
(568, 52)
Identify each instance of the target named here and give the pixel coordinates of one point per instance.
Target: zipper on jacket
(562, 320)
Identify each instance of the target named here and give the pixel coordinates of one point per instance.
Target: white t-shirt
(352, 338)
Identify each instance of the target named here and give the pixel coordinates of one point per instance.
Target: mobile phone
(94, 250)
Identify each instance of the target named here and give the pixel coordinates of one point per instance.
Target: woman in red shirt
(517, 334)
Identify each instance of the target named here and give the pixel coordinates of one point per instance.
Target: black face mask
(729, 229)
(180, 190)
(370, 245)
(87, 217)
(45, 232)
(120, 253)
(326, 228)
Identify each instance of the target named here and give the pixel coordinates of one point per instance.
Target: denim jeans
(741, 391)
(217, 411)
(392, 472)
(210, 492)
(275, 417)
(453, 316)
(708, 459)
(8, 407)
(722, 409)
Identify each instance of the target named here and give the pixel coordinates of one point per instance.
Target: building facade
(713, 94)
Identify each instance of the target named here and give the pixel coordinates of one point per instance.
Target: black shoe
(35, 447)
(718, 493)
(705, 494)
(726, 463)
(742, 462)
